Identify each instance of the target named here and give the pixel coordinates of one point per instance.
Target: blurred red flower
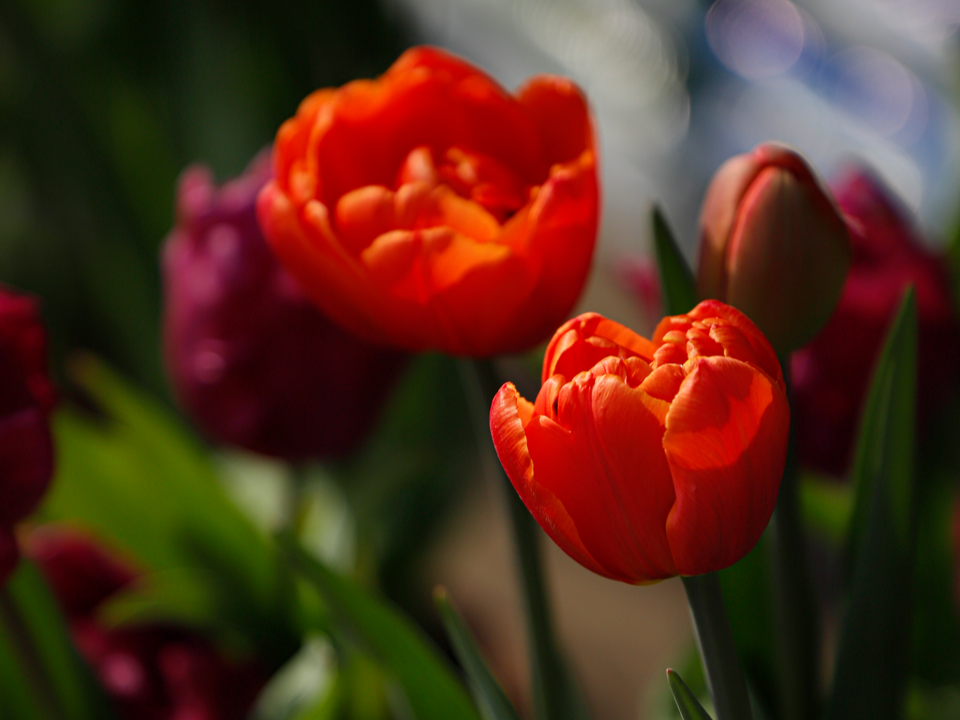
(831, 374)
(430, 209)
(647, 459)
(150, 672)
(26, 398)
(252, 360)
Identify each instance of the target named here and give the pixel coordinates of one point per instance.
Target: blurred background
(103, 103)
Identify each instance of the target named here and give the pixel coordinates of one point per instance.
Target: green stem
(552, 694)
(715, 641)
(31, 664)
(793, 600)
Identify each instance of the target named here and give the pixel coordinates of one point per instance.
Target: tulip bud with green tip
(773, 244)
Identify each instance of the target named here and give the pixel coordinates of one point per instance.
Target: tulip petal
(374, 123)
(477, 291)
(333, 279)
(561, 115)
(760, 353)
(26, 456)
(773, 279)
(717, 217)
(726, 444)
(570, 351)
(508, 416)
(606, 445)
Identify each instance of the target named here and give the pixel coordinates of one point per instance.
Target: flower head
(430, 209)
(773, 244)
(253, 362)
(26, 398)
(645, 459)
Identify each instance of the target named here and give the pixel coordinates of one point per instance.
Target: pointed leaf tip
(676, 279)
(490, 698)
(687, 703)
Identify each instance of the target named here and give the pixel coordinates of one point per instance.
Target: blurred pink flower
(831, 374)
(150, 672)
(26, 398)
(253, 362)
(638, 274)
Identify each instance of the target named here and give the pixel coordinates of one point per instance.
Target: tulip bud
(831, 374)
(26, 399)
(773, 244)
(253, 362)
(158, 671)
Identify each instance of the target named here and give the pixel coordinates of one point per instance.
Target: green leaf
(748, 599)
(826, 506)
(690, 708)
(871, 665)
(676, 279)
(41, 674)
(138, 479)
(429, 683)
(490, 698)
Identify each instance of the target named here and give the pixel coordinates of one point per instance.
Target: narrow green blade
(50, 680)
(676, 279)
(431, 687)
(872, 661)
(490, 698)
(690, 708)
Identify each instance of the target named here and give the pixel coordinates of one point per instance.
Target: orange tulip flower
(646, 459)
(430, 209)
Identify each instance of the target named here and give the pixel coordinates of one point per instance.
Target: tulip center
(471, 175)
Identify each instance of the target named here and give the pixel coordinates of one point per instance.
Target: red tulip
(832, 373)
(156, 671)
(773, 244)
(252, 360)
(647, 459)
(26, 399)
(430, 209)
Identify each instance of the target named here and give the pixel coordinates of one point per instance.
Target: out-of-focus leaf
(139, 479)
(872, 653)
(746, 592)
(41, 674)
(411, 470)
(826, 506)
(431, 688)
(690, 708)
(182, 596)
(328, 707)
(676, 279)
(490, 698)
(302, 686)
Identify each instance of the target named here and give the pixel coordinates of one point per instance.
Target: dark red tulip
(157, 671)
(253, 362)
(26, 398)
(832, 374)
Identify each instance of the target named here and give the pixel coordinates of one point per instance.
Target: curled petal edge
(508, 415)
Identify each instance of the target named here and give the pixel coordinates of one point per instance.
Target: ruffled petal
(604, 463)
(726, 444)
(508, 416)
(573, 348)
